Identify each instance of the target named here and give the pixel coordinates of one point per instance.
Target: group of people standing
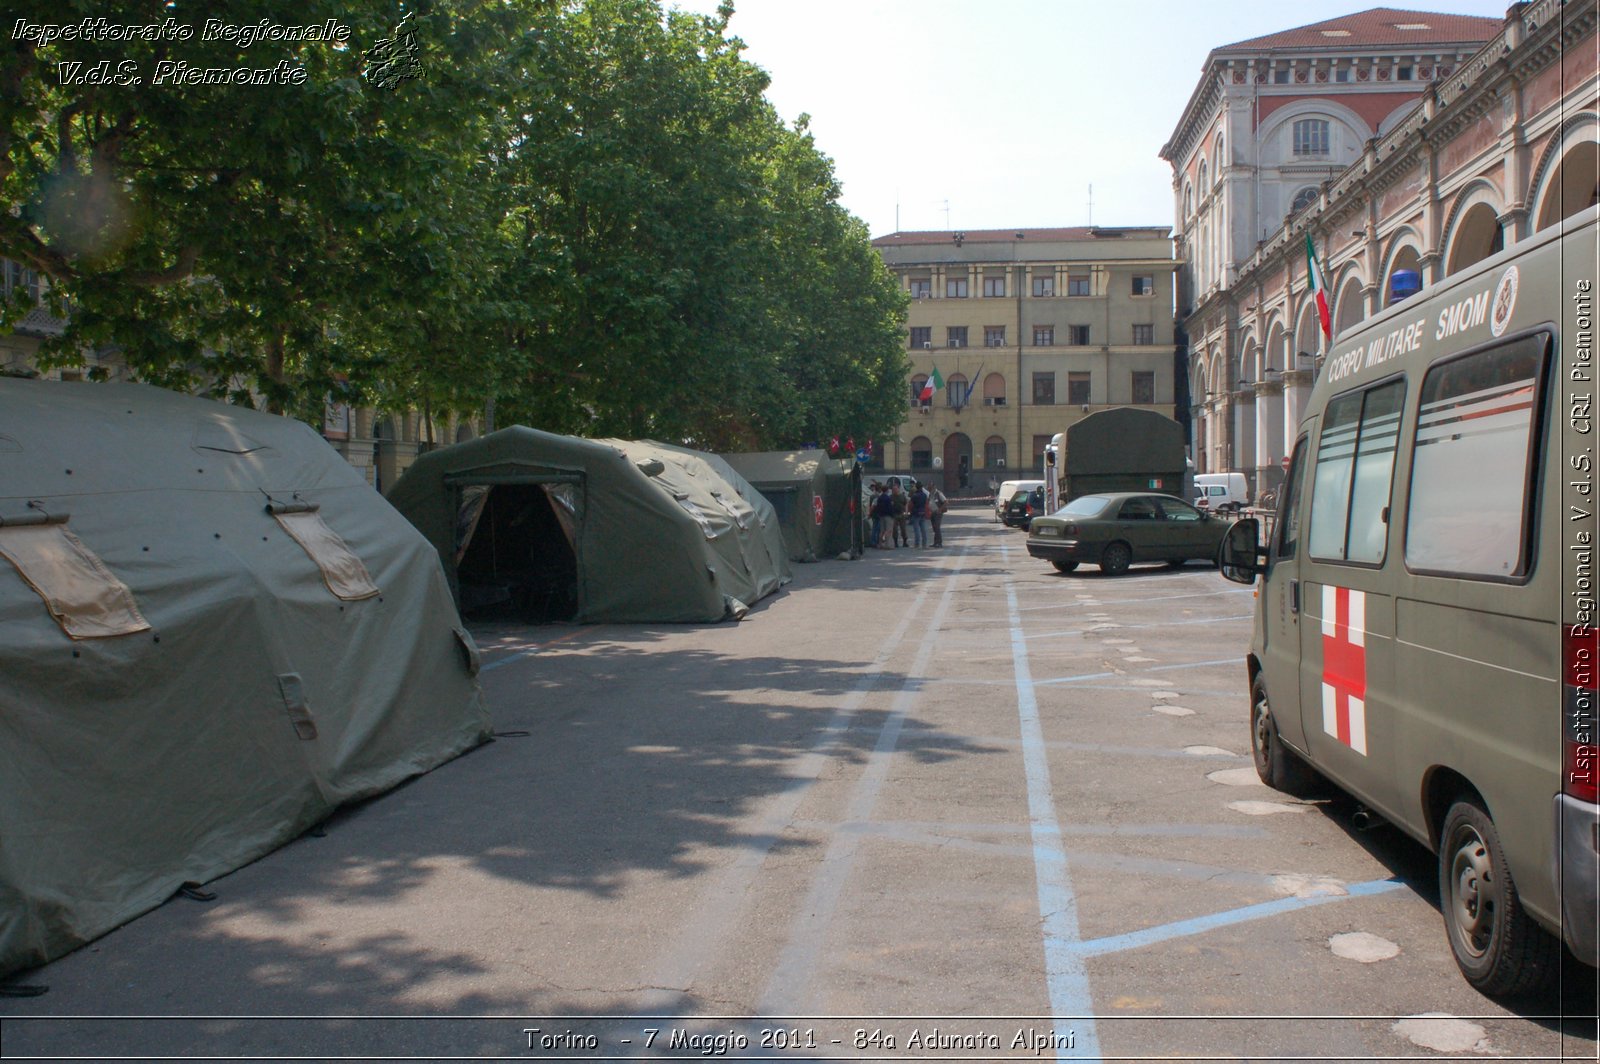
(894, 505)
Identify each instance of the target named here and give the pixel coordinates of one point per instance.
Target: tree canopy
(585, 211)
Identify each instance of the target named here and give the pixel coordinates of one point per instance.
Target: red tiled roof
(1378, 27)
(997, 236)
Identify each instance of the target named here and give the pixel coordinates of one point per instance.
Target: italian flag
(1319, 288)
(931, 385)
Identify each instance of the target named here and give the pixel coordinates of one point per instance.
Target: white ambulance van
(1425, 618)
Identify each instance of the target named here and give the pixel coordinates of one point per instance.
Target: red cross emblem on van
(1344, 666)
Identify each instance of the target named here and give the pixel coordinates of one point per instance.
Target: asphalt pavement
(931, 804)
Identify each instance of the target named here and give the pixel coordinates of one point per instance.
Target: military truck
(1121, 449)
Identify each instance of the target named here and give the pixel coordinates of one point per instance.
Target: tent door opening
(514, 555)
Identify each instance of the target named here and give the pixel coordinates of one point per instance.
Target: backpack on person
(941, 503)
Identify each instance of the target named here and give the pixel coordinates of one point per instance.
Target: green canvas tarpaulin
(562, 528)
(212, 634)
(814, 496)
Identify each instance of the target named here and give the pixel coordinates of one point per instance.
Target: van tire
(1279, 767)
(1064, 567)
(1497, 945)
(1116, 558)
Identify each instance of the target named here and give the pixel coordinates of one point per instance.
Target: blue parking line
(1066, 975)
(1197, 925)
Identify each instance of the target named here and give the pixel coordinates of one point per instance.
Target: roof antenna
(1091, 206)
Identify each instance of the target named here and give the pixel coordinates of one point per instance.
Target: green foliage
(586, 211)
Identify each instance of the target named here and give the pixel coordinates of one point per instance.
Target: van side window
(1475, 461)
(1289, 504)
(1355, 470)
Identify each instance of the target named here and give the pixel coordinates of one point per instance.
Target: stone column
(1243, 452)
(1269, 435)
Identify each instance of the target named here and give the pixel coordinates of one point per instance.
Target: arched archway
(921, 462)
(1568, 178)
(1404, 253)
(1473, 232)
(1349, 305)
(957, 462)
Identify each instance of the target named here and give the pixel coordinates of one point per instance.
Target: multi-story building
(1398, 141)
(1029, 330)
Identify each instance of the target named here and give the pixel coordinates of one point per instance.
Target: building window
(1144, 335)
(1280, 77)
(994, 336)
(994, 452)
(994, 287)
(1077, 284)
(1044, 335)
(918, 382)
(1144, 285)
(1144, 386)
(921, 337)
(994, 390)
(955, 336)
(1403, 74)
(1311, 136)
(1078, 388)
(1044, 390)
(955, 288)
(1044, 286)
(955, 392)
(1303, 199)
(1078, 335)
(922, 453)
(1039, 444)
(1342, 74)
(921, 288)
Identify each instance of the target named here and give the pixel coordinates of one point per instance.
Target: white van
(1009, 488)
(1221, 492)
(1425, 630)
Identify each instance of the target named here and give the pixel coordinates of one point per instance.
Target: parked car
(1114, 530)
(1023, 507)
(1009, 488)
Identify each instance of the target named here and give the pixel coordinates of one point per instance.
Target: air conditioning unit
(994, 400)
(927, 345)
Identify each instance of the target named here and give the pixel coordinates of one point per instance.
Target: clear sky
(993, 114)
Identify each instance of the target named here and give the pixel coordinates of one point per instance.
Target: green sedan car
(1114, 530)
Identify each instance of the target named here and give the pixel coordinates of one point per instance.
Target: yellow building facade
(1026, 331)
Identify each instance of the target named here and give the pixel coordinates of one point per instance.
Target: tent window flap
(342, 571)
(87, 601)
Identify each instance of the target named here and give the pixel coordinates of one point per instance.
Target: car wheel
(1278, 766)
(1064, 567)
(1116, 559)
(1498, 947)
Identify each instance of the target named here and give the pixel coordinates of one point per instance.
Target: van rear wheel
(1497, 946)
(1277, 765)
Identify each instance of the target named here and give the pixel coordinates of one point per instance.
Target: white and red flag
(1344, 666)
(1319, 288)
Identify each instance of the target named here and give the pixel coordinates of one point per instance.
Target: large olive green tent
(212, 633)
(536, 526)
(814, 496)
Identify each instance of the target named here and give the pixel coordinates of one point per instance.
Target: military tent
(814, 497)
(541, 527)
(212, 633)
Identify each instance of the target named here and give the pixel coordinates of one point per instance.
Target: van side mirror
(1241, 555)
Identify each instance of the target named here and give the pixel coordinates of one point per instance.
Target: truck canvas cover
(563, 528)
(212, 634)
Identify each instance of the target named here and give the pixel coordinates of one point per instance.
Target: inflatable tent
(542, 527)
(212, 633)
(814, 497)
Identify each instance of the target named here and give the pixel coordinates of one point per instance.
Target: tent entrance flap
(514, 554)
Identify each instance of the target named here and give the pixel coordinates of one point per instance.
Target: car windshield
(1086, 506)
